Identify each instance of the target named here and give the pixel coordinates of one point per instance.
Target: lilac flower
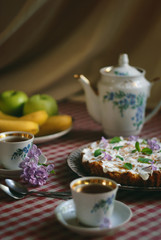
(24, 163)
(153, 144)
(50, 168)
(34, 172)
(133, 138)
(105, 223)
(154, 168)
(34, 152)
(107, 156)
(104, 142)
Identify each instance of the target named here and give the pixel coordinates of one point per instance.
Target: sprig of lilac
(35, 172)
(153, 144)
(133, 138)
(151, 167)
(154, 168)
(104, 142)
(107, 156)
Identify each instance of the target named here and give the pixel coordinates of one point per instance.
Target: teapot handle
(158, 106)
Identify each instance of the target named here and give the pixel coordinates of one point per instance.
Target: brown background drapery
(43, 43)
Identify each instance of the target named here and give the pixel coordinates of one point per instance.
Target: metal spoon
(11, 193)
(17, 195)
(21, 189)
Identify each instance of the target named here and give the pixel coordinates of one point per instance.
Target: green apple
(41, 102)
(11, 102)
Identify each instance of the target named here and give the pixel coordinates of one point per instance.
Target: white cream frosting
(115, 164)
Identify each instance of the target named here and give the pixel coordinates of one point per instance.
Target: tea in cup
(14, 147)
(94, 199)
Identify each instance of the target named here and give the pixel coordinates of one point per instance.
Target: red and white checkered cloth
(33, 217)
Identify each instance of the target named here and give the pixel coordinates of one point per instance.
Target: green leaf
(145, 160)
(137, 146)
(97, 152)
(144, 141)
(118, 147)
(43, 164)
(115, 140)
(121, 158)
(147, 151)
(133, 151)
(127, 166)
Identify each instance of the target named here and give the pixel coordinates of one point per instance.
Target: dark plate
(74, 163)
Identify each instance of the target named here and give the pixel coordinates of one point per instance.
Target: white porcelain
(66, 215)
(7, 173)
(121, 101)
(93, 208)
(12, 153)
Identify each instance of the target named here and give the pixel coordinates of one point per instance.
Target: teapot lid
(123, 68)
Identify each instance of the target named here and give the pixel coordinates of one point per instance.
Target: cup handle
(158, 106)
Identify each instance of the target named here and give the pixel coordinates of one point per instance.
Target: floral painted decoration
(106, 223)
(20, 153)
(34, 172)
(103, 204)
(124, 101)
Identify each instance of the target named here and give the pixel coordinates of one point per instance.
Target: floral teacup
(94, 199)
(14, 147)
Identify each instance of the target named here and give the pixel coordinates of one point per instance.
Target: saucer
(15, 173)
(66, 215)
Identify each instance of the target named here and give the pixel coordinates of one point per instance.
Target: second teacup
(94, 199)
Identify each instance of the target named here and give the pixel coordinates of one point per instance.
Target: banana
(55, 124)
(7, 117)
(39, 117)
(16, 125)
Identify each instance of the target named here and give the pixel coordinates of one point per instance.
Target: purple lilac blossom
(50, 168)
(34, 172)
(133, 138)
(153, 144)
(154, 168)
(107, 156)
(34, 152)
(104, 142)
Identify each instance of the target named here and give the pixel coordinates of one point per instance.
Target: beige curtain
(43, 43)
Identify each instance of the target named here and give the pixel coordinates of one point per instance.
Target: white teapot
(121, 100)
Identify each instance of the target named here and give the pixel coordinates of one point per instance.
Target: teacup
(94, 199)
(14, 147)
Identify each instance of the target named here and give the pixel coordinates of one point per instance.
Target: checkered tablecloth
(33, 217)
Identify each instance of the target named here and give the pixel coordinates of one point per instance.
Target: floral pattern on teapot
(121, 73)
(125, 101)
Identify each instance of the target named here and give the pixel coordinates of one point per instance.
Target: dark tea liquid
(14, 139)
(95, 188)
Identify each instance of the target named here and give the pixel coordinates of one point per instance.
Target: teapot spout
(92, 100)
